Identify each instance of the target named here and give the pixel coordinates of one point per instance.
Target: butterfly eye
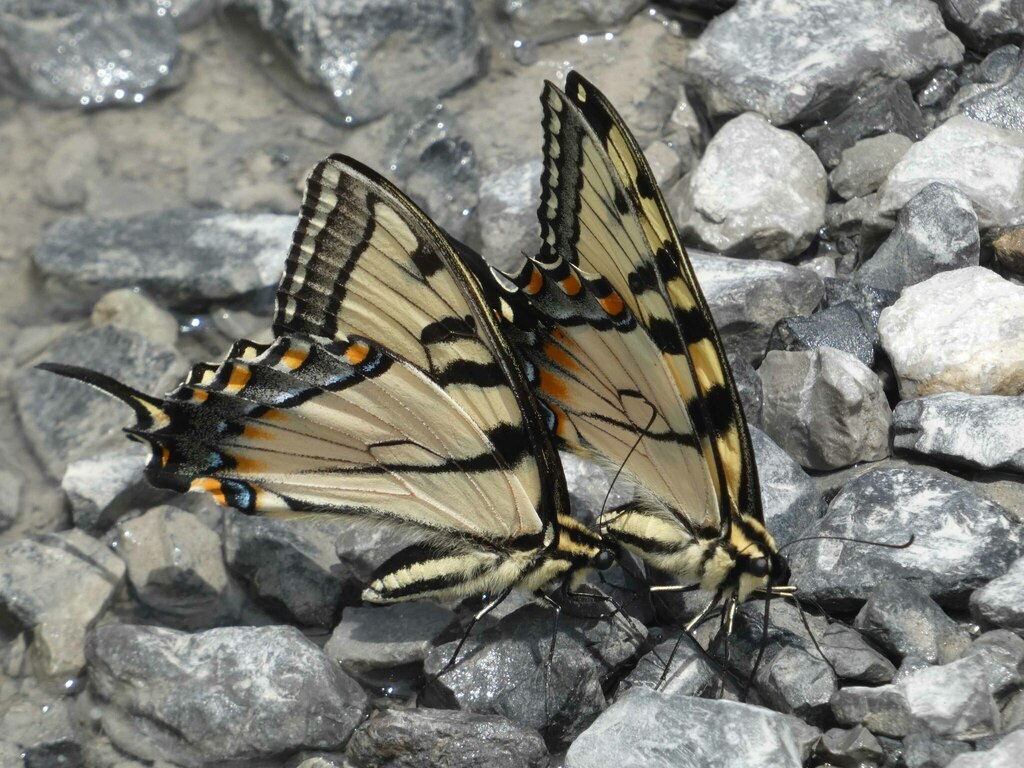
(604, 559)
(758, 567)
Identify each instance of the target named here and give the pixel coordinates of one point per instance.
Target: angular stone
(235, 693)
(46, 735)
(690, 673)
(131, 309)
(852, 657)
(758, 192)
(960, 539)
(864, 166)
(904, 621)
(541, 21)
(938, 90)
(825, 408)
(177, 256)
(853, 747)
(103, 487)
(359, 53)
(984, 24)
(795, 61)
(983, 161)
(423, 738)
(747, 298)
(957, 331)
(691, 731)
(924, 750)
(858, 226)
(838, 327)
(1001, 601)
(791, 500)
(748, 385)
(57, 586)
(89, 55)
(506, 669)
(936, 231)
(1009, 249)
(883, 710)
(64, 419)
(998, 103)
(867, 300)
(983, 431)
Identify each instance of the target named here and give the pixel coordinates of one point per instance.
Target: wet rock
(45, 734)
(1009, 249)
(691, 731)
(936, 231)
(886, 108)
(923, 750)
(64, 419)
(359, 53)
(89, 55)
(176, 256)
(176, 568)
(904, 621)
(747, 298)
(791, 499)
(291, 566)
(864, 166)
(984, 24)
(505, 669)
(757, 192)
(690, 670)
(938, 90)
(444, 180)
(187, 14)
(825, 408)
(235, 693)
(968, 430)
(854, 747)
(983, 161)
(422, 738)
(797, 62)
(998, 103)
(57, 586)
(106, 486)
(839, 327)
(386, 637)
(957, 331)
(133, 310)
(537, 21)
(961, 540)
(999, 602)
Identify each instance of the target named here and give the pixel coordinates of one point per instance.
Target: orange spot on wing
(556, 354)
(200, 395)
(240, 375)
(356, 353)
(570, 285)
(165, 455)
(256, 433)
(552, 385)
(293, 358)
(212, 486)
(536, 282)
(275, 414)
(612, 304)
(247, 465)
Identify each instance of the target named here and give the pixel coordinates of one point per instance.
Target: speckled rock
(863, 167)
(997, 103)
(794, 61)
(1001, 601)
(791, 499)
(957, 331)
(757, 192)
(983, 161)
(984, 24)
(839, 327)
(825, 408)
(45, 734)
(236, 693)
(103, 487)
(960, 539)
(1009, 249)
(132, 309)
(541, 21)
(854, 747)
(690, 671)
(982, 431)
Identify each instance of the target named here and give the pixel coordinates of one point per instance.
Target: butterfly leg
(690, 625)
(469, 630)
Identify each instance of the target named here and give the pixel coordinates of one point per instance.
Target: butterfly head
(750, 560)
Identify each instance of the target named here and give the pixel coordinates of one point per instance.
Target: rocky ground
(849, 177)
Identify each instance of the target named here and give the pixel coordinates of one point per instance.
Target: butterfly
(628, 360)
(389, 395)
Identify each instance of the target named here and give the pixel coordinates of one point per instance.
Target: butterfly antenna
(884, 544)
(636, 444)
(810, 634)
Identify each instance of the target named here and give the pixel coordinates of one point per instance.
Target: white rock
(758, 192)
(1005, 754)
(985, 162)
(959, 331)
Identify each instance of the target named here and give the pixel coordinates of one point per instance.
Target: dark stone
(851, 748)
(790, 498)
(985, 24)
(748, 385)
(840, 327)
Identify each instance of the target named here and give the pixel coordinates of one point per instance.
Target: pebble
(984, 24)
(959, 331)
(1001, 601)
(791, 499)
(691, 672)
(131, 309)
(864, 166)
(839, 326)
(850, 747)
(858, 226)
(983, 161)
(106, 485)
(825, 408)
(1009, 249)
(998, 103)
(45, 735)
(792, 61)
(923, 750)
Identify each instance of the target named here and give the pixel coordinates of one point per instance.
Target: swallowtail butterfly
(388, 394)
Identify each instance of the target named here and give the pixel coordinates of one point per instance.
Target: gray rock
(858, 226)
(792, 501)
(867, 300)
(936, 231)
(984, 24)
(45, 735)
(1003, 488)
(923, 750)
(838, 327)
(690, 732)
(589, 486)
(904, 621)
(131, 309)
(64, 419)
(1001, 601)
(795, 61)
(825, 408)
(938, 90)
(387, 636)
(748, 385)
(883, 710)
(757, 192)
(63, 181)
(883, 108)
(854, 747)
(508, 213)
(189, 14)
(983, 161)
(423, 738)
(11, 486)
(177, 256)
(103, 487)
(235, 693)
(541, 21)
(981, 431)
(444, 180)
(957, 331)
(1005, 754)
(505, 669)
(998, 103)
(10, 754)
(176, 568)
(748, 297)
(691, 672)
(863, 167)
(359, 53)
(90, 55)
(852, 657)
(961, 540)
(291, 566)
(57, 586)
